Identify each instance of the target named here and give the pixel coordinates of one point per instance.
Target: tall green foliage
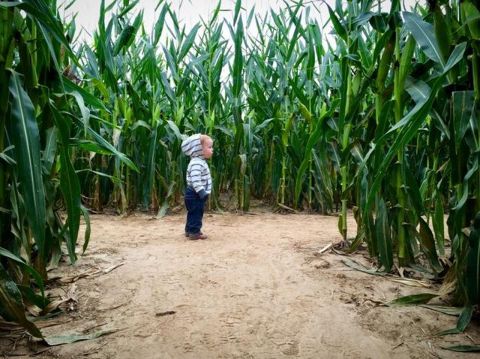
(380, 116)
(383, 119)
(39, 129)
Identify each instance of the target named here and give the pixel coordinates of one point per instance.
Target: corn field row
(383, 120)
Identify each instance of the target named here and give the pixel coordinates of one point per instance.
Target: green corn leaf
(406, 61)
(472, 18)
(418, 90)
(385, 62)
(114, 179)
(26, 138)
(383, 236)
(465, 186)
(30, 297)
(126, 37)
(464, 318)
(339, 28)
(311, 56)
(128, 8)
(149, 174)
(379, 22)
(38, 278)
(7, 158)
(455, 57)
(159, 24)
(215, 13)
(238, 61)
(69, 184)
(88, 229)
(12, 305)
(49, 152)
(83, 109)
(90, 146)
(472, 271)
(70, 187)
(453, 311)
(107, 146)
(414, 299)
(5, 4)
(299, 31)
(311, 142)
(438, 225)
(188, 43)
(175, 130)
(428, 245)
(167, 88)
(357, 266)
(238, 6)
(424, 34)
(54, 340)
(463, 348)
(462, 323)
(443, 30)
(88, 98)
(463, 103)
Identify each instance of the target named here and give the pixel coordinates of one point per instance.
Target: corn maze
(381, 119)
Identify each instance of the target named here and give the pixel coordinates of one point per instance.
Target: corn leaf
(428, 244)
(357, 266)
(88, 229)
(72, 338)
(463, 348)
(26, 138)
(424, 34)
(462, 323)
(12, 305)
(312, 141)
(69, 184)
(438, 225)
(339, 28)
(107, 146)
(87, 97)
(38, 278)
(463, 103)
(414, 299)
(472, 14)
(383, 236)
(454, 311)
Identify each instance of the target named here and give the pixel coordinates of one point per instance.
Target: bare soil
(256, 288)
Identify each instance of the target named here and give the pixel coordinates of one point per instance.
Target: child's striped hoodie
(198, 173)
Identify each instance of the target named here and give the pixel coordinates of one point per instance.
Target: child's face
(207, 148)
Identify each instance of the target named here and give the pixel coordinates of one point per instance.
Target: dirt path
(254, 289)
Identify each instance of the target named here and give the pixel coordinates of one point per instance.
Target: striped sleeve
(198, 176)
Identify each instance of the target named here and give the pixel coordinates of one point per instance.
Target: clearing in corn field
(258, 287)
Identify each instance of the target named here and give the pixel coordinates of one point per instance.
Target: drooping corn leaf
(414, 299)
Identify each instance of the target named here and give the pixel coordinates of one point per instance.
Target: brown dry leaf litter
(262, 286)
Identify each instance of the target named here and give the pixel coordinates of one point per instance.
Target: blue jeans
(195, 206)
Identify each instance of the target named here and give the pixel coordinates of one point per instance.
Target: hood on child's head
(192, 146)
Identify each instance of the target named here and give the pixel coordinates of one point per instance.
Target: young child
(199, 182)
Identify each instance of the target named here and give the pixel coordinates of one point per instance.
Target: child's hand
(203, 195)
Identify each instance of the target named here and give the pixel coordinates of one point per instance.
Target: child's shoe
(188, 234)
(196, 236)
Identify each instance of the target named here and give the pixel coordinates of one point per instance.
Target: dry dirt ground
(256, 288)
